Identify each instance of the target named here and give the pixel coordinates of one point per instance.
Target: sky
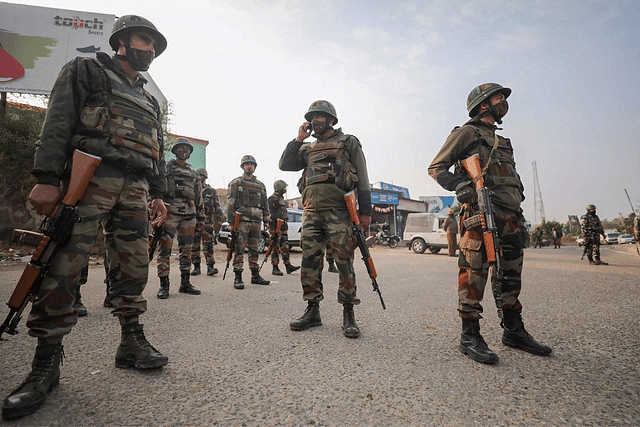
(242, 74)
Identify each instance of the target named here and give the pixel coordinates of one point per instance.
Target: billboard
(438, 203)
(35, 42)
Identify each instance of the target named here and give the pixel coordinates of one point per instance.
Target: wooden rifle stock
(274, 241)
(56, 229)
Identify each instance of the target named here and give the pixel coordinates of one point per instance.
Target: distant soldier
(184, 199)
(591, 231)
(247, 196)
(636, 228)
(556, 235)
(213, 218)
(537, 237)
(278, 210)
(450, 226)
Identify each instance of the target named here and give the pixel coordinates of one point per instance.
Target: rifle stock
(231, 241)
(56, 229)
(490, 235)
(361, 241)
(154, 239)
(275, 237)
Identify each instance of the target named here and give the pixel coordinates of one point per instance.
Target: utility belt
(125, 168)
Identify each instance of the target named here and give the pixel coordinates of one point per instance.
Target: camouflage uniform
(636, 227)
(332, 167)
(591, 230)
(212, 223)
(278, 210)
(248, 197)
(95, 108)
(477, 136)
(184, 199)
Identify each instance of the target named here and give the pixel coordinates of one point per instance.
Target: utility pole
(537, 197)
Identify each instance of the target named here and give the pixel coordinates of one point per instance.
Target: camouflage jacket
(248, 197)
(590, 225)
(78, 114)
(477, 136)
(328, 195)
(277, 208)
(212, 209)
(184, 191)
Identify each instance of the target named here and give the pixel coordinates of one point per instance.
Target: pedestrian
(591, 230)
(185, 212)
(537, 237)
(213, 218)
(487, 104)
(450, 226)
(98, 104)
(247, 196)
(333, 164)
(556, 235)
(278, 210)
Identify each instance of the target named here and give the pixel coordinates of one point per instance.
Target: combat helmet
(128, 24)
(321, 106)
(483, 92)
(591, 208)
(181, 141)
(279, 185)
(248, 159)
(202, 172)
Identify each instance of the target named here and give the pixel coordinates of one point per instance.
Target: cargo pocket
(473, 250)
(94, 117)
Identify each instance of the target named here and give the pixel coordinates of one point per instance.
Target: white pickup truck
(424, 231)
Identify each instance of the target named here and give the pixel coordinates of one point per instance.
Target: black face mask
(501, 108)
(140, 60)
(320, 127)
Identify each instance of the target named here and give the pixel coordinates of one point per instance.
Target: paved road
(234, 361)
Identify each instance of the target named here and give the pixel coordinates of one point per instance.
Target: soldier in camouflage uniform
(537, 237)
(98, 104)
(333, 164)
(185, 212)
(487, 104)
(247, 196)
(278, 210)
(212, 223)
(636, 228)
(591, 230)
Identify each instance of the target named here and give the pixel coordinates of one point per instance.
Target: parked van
(611, 237)
(424, 231)
(295, 226)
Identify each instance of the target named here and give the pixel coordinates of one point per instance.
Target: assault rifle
(231, 241)
(56, 229)
(154, 239)
(485, 218)
(275, 237)
(361, 240)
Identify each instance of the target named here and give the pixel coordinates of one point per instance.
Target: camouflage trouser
(328, 227)
(185, 226)
(474, 268)
(248, 237)
(118, 200)
(593, 250)
(206, 236)
(329, 253)
(452, 243)
(282, 246)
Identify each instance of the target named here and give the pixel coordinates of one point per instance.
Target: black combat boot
(332, 267)
(590, 258)
(473, 345)
(107, 300)
(163, 293)
(256, 279)
(211, 269)
(310, 318)
(44, 377)
(276, 271)
(135, 351)
(598, 261)
(196, 269)
(78, 305)
(516, 336)
(349, 327)
(291, 268)
(185, 285)
(237, 282)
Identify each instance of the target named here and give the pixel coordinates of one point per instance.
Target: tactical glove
(465, 192)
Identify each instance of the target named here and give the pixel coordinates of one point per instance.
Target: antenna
(537, 197)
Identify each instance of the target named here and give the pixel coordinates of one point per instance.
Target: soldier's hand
(466, 193)
(158, 212)
(365, 220)
(200, 226)
(304, 131)
(44, 198)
